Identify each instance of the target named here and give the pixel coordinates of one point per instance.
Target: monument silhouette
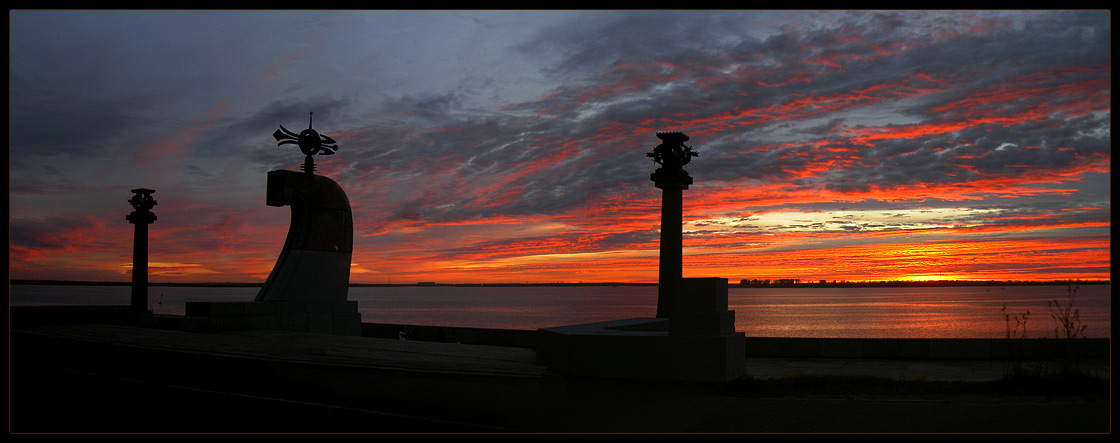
(672, 155)
(315, 262)
(307, 288)
(142, 216)
(692, 336)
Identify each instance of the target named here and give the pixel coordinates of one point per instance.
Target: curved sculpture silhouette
(315, 262)
(307, 288)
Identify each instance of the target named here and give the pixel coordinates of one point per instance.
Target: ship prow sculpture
(315, 262)
(307, 288)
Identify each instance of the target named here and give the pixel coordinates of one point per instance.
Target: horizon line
(742, 282)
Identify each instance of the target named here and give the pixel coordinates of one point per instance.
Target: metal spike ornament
(309, 141)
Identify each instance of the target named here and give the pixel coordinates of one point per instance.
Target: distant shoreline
(885, 284)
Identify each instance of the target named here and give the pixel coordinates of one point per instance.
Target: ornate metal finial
(309, 141)
(142, 202)
(672, 152)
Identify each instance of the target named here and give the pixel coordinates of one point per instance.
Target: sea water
(876, 312)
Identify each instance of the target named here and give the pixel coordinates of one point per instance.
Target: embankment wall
(758, 347)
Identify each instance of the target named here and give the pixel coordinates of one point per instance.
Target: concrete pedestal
(697, 342)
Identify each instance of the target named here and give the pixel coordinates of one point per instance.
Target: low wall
(29, 316)
(927, 348)
(765, 347)
(756, 347)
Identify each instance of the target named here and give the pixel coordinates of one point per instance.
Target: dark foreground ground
(73, 388)
(54, 401)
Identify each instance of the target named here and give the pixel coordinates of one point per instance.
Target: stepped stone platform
(697, 342)
(287, 347)
(641, 348)
(337, 317)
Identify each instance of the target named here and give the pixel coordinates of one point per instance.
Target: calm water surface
(940, 312)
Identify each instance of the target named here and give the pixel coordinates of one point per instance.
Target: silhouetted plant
(1067, 320)
(1020, 329)
(1016, 345)
(1067, 329)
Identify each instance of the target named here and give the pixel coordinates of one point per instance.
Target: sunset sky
(510, 146)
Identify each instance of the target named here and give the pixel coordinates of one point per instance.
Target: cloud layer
(510, 146)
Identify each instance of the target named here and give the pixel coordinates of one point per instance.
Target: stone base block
(701, 308)
(701, 323)
(702, 294)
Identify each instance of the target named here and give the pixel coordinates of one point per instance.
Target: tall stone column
(142, 202)
(671, 177)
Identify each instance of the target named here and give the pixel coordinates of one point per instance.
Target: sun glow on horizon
(924, 278)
